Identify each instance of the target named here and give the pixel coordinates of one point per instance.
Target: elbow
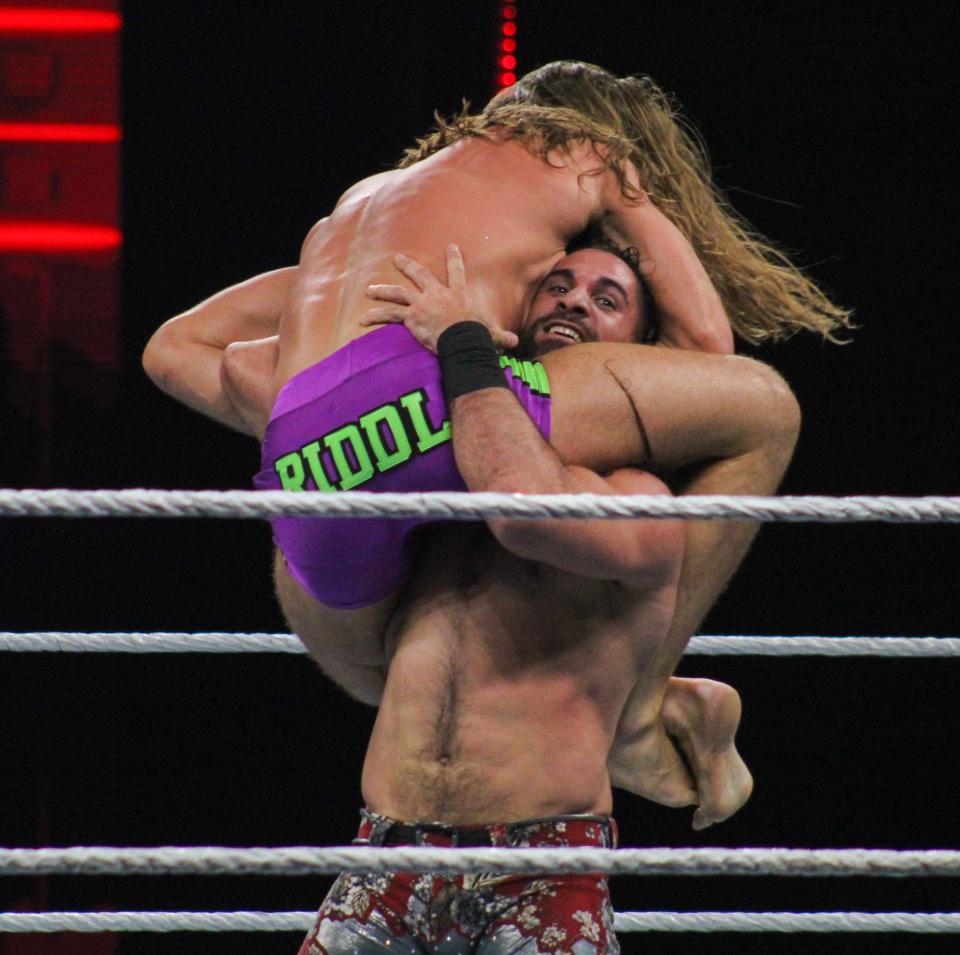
(153, 364)
(517, 537)
(162, 355)
(537, 540)
(716, 341)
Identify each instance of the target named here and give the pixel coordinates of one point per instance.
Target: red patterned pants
(482, 913)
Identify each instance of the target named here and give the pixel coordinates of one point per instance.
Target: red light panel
(507, 59)
(40, 20)
(59, 132)
(57, 237)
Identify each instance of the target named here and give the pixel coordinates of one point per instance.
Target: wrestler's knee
(783, 402)
(775, 405)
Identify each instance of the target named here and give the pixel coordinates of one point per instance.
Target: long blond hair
(765, 295)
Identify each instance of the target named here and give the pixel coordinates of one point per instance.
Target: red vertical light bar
(59, 132)
(37, 22)
(507, 56)
(59, 218)
(51, 20)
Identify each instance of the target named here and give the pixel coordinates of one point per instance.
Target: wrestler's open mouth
(565, 330)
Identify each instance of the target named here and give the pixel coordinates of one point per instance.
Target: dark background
(828, 123)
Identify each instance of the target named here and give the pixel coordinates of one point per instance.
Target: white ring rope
(786, 922)
(623, 922)
(156, 921)
(310, 860)
(319, 860)
(463, 506)
(824, 646)
(101, 642)
(70, 642)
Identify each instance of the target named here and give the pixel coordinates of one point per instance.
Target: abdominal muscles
(473, 755)
(503, 695)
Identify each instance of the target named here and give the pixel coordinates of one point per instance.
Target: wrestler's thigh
(356, 633)
(363, 915)
(558, 914)
(334, 937)
(615, 405)
(348, 645)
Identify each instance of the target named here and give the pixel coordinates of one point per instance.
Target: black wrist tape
(468, 360)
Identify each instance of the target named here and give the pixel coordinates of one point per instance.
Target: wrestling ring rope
(319, 860)
(623, 922)
(58, 641)
(463, 506)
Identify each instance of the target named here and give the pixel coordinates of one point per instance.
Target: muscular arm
(619, 405)
(185, 356)
(498, 448)
(219, 358)
(691, 311)
(614, 405)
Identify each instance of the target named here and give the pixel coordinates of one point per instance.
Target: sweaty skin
(647, 406)
(512, 214)
(446, 644)
(516, 647)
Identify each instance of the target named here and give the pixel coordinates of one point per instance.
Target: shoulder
(349, 204)
(366, 187)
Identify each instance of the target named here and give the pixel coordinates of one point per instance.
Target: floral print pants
(484, 913)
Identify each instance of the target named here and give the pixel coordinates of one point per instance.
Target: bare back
(510, 212)
(506, 683)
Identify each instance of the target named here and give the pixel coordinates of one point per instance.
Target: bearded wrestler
(737, 414)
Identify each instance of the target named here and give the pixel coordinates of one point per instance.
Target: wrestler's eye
(604, 302)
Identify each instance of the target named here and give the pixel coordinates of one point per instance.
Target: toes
(701, 821)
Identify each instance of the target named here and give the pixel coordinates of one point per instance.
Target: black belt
(402, 834)
(417, 834)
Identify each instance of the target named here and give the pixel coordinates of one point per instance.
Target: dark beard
(528, 348)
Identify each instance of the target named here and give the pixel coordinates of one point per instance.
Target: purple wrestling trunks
(371, 417)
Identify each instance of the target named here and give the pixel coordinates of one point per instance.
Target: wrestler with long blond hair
(512, 187)
(633, 123)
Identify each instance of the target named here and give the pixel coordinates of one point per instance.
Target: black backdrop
(829, 124)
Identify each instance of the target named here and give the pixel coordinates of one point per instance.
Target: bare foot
(702, 716)
(648, 764)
